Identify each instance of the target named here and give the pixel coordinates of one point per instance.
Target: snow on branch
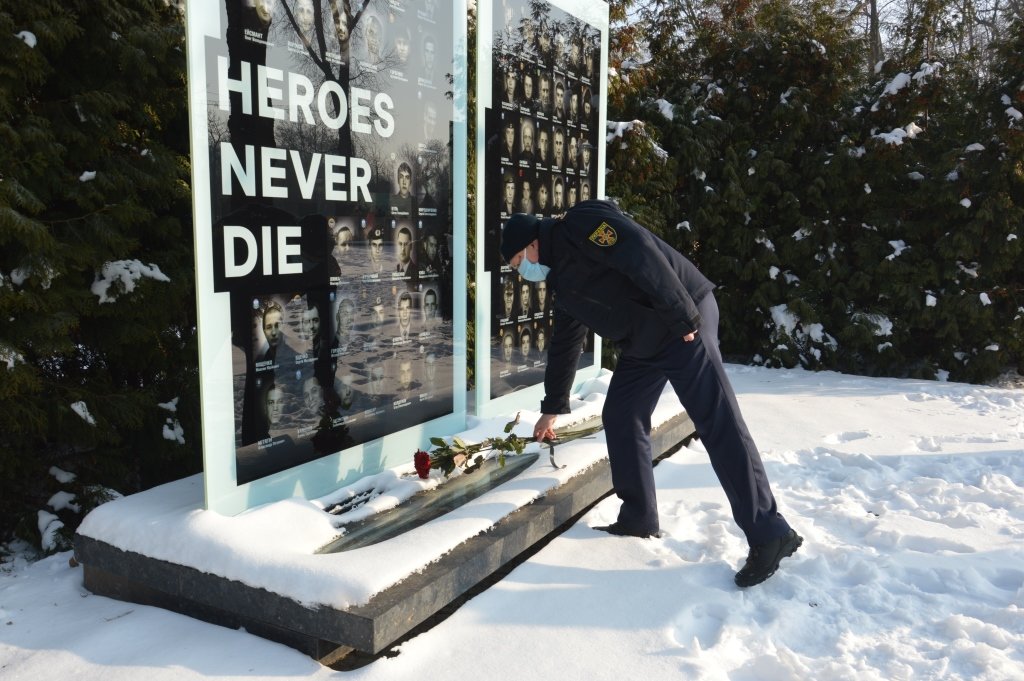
(49, 525)
(125, 272)
(82, 409)
(619, 129)
(665, 108)
(902, 80)
(897, 135)
(9, 356)
(173, 431)
(28, 37)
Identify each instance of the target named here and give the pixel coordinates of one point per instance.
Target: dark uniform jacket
(613, 276)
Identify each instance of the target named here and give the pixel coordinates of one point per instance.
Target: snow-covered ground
(909, 495)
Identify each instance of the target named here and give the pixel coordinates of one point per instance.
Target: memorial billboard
(541, 114)
(328, 137)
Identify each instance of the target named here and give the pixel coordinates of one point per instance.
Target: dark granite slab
(328, 634)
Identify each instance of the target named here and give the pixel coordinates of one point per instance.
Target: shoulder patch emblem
(604, 235)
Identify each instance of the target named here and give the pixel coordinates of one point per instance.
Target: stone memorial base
(329, 634)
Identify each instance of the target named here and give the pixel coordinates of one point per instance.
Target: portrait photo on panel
(346, 339)
(558, 148)
(508, 297)
(310, 328)
(428, 56)
(545, 94)
(529, 94)
(559, 99)
(525, 193)
(275, 338)
(508, 194)
(404, 315)
(401, 198)
(508, 138)
(429, 258)
(525, 344)
(543, 204)
(430, 311)
(527, 133)
(510, 86)
(558, 196)
(525, 299)
(370, 39)
(375, 251)
(543, 144)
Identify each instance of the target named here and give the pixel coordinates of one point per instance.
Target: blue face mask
(532, 271)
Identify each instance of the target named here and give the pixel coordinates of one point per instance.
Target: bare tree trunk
(874, 33)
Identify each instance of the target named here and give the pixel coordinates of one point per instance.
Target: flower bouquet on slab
(456, 453)
(477, 476)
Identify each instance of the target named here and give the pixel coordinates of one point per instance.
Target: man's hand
(545, 428)
(690, 336)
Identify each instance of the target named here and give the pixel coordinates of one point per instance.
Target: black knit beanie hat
(519, 231)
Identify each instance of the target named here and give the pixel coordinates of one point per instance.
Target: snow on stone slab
(87, 176)
(966, 203)
(274, 546)
(975, 147)
(1014, 113)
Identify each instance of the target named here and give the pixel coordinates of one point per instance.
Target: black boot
(763, 559)
(623, 531)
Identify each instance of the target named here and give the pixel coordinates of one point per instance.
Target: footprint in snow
(928, 444)
(700, 627)
(849, 436)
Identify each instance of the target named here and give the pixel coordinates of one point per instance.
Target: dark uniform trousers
(696, 373)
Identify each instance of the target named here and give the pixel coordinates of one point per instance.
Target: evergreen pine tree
(930, 196)
(757, 107)
(1000, 207)
(860, 221)
(95, 257)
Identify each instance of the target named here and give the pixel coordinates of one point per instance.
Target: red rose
(422, 461)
